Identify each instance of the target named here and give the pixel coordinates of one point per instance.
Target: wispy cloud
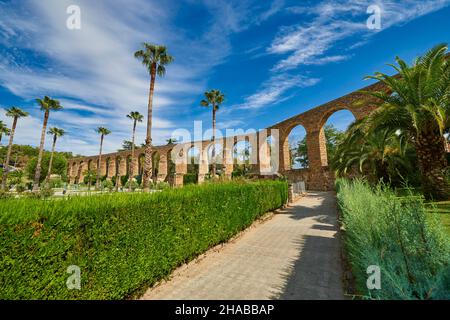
(273, 91)
(330, 22)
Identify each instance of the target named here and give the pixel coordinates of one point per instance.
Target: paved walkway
(294, 255)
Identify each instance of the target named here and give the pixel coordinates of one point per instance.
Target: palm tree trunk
(99, 165)
(148, 141)
(213, 155)
(50, 164)
(432, 159)
(37, 176)
(131, 174)
(8, 155)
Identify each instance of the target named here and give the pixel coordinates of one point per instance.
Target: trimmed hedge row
(121, 242)
(398, 235)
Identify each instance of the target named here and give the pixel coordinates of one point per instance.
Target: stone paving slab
(294, 255)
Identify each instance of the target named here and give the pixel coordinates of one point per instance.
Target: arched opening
(296, 149)
(193, 159)
(215, 155)
(155, 165)
(334, 130)
(107, 167)
(242, 155)
(141, 161)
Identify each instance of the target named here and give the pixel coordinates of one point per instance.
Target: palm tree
(420, 107)
(47, 104)
(14, 113)
(154, 58)
(3, 131)
(103, 132)
(56, 132)
(214, 98)
(171, 141)
(380, 155)
(136, 117)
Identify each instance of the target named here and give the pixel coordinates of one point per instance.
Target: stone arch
(156, 157)
(319, 153)
(141, 161)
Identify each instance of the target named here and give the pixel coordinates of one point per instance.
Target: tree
(103, 132)
(154, 58)
(136, 117)
(3, 131)
(57, 133)
(214, 99)
(59, 166)
(171, 141)
(419, 106)
(47, 104)
(16, 114)
(127, 146)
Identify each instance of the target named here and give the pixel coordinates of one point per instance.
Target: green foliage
(59, 166)
(121, 242)
(383, 154)
(190, 178)
(124, 180)
(399, 236)
(108, 184)
(333, 136)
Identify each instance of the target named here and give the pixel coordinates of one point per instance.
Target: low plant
(398, 235)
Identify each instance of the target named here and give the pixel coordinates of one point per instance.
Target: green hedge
(121, 242)
(398, 235)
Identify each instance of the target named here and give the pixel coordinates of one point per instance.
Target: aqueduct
(317, 177)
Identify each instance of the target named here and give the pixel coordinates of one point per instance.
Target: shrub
(399, 236)
(190, 178)
(121, 242)
(20, 188)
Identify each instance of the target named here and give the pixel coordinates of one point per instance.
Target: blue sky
(272, 59)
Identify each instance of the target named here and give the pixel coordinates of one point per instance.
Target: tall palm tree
(420, 107)
(16, 114)
(47, 104)
(154, 58)
(214, 99)
(4, 130)
(136, 117)
(57, 133)
(103, 132)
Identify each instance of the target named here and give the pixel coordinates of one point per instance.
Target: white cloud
(309, 42)
(93, 71)
(273, 91)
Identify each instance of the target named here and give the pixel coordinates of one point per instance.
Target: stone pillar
(134, 166)
(81, 169)
(112, 168)
(228, 163)
(263, 165)
(163, 167)
(317, 149)
(203, 165)
(179, 153)
(284, 153)
(103, 167)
